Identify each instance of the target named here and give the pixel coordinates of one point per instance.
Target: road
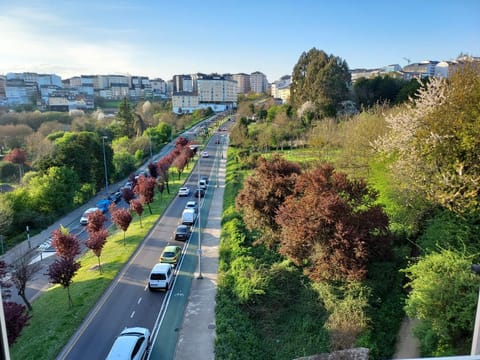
(128, 302)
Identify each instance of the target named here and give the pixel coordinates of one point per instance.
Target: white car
(131, 344)
(205, 154)
(84, 218)
(184, 191)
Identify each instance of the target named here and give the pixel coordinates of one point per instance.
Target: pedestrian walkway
(197, 334)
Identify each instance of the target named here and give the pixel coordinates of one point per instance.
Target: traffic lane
(123, 304)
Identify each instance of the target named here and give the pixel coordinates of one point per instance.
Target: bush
(8, 172)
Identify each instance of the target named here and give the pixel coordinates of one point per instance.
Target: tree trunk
(25, 300)
(99, 264)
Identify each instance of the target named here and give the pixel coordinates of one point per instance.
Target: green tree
(321, 79)
(126, 119)
(53, 192)
(435, 141)
(443, 296)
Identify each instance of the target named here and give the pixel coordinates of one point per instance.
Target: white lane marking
(133, 314)
(139, 301)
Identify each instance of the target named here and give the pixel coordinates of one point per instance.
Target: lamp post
(476, 330)
(105, 163)
(199, 250)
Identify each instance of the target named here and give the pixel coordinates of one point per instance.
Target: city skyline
(157, 39)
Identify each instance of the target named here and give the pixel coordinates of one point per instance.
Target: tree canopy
(321, 79)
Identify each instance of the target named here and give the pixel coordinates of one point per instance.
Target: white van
(188, 217)
(202, 184)
(161, 277)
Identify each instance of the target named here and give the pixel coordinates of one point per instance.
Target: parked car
(182, 232)
(161, 277)
(104, 204)
(184, 191)
(171, 254)
(84, 218)
(131, 344)
(192, 205)
(205, 154)
(115, 196)
(199, 193)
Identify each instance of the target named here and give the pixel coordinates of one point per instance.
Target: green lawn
(53, 322)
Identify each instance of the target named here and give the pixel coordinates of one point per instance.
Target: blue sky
(160, 38)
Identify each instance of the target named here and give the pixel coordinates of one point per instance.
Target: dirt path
(408, 346)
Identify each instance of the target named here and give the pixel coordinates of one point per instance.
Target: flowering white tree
(435, 142)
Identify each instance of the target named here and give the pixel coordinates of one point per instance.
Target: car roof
(172, 248)
(91, 210)
(190, 203)
(161, 267)
(125, 342)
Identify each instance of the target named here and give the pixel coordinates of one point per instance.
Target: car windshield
(168, 254)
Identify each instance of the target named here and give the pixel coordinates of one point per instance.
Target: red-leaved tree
(16, 318)
(136, 205)
(96, 242)
(332, 226)
(145, 188)
(17, 156)
(153, 170)
(128, 195)
(62, 272)
(66, 244)
(96, 221)
(122, 218)
(264, 192)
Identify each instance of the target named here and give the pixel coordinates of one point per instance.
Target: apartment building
(419, 70)
(213, 90)
(258, 82)
(243, 83)
(280, 89)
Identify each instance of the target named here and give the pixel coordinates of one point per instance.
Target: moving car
(204, 177)
(205, 154)
(115, 196)
(161, 277)
(202, 184)
(184, 191)
(84, 218)
(199, 193)
(104, 204)
(189, 216)
(131, 344)
(192, 205)
(182, 232)
(171, 255)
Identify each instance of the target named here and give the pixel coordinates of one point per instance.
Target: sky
(159, 39)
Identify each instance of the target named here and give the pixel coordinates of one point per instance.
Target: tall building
(243, 83)
(258, 82)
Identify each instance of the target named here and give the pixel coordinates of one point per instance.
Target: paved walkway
(408, 346)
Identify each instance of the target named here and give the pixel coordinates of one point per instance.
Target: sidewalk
(196, 339)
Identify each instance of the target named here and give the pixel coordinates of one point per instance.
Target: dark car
(182, 232)
(115, 196)
(199, 193)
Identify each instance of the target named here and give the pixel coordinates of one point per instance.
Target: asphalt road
(128, 302)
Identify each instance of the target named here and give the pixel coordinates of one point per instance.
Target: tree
(180, 163)
(136, 205)
(331, 226)
(435, 141)
(21, 272)
(16, 318)
(122, 218)
(128, 195)
(54, 191)
(6, 215)
(96, 241)
(62, 271)
(126, 119)
(264, 192)
(66, 244)
(146, 189)
(96, 221)
(153, 170)
(321, 79)
(443, 296)
(19, 157)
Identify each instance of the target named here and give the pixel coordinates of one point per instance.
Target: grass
(53, 322)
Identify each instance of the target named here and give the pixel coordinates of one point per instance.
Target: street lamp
(105, 163)
(199, 250)
(476, 330)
